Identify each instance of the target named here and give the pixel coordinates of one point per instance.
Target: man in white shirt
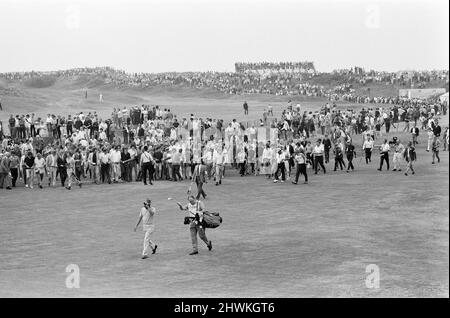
(52, 167)
(218, 162)
(318, 153)
(430, 133)
(40, 167)
(115, 159)
(280, 157)
(384, 154)
(367, 147)
(104, 166)
(398, 154)
(148, 226)
(146, 164)
(102, 135)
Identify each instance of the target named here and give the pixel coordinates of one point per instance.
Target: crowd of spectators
(249, 80)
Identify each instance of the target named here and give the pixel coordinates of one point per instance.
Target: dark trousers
(384, 157)
(22, 134)
(242, 168)
(176, 172)
(339, 161)
(200, 190)
(350, 162)
(318, 160)
(104, 173)
(62, 175)
(327, 155)
(78, 172)
(147, 168)
(14, 175)
(301, 169)
(124, 172)
(281, 167)
(368, 155)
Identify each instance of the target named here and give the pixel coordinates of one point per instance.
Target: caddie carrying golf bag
(211, 220)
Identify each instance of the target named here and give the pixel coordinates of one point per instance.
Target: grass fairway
(277, 240)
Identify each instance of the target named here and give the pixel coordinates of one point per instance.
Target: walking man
(195, 209)
(318, 153)
(367, 147)
(146, 166)
(435, 149)
(300, 158)
(384, 154)
(398, 154)
(338, 157)
(351, 153)
(70, 164)
(218, 161)
(199, 177)
(5, 174)
(410, 155)
(414, 134)
(148, 226)
(52, 167)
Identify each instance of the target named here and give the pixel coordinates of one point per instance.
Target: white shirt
(280, 157)
(115, 156)
(385, 148)
(267, 153)
(147, 218)
(103, 157)
(218, 158)
(146, 157)
(39, 164)
(300, 158)
(319, 150)
(368, 144)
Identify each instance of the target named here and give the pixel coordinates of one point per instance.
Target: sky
(200, 35)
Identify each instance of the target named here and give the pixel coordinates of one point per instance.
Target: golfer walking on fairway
(146, 216)
(195, 218)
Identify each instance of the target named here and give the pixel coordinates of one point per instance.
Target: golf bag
(211, 220)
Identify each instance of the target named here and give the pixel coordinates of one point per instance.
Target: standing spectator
(147, 166)
(245, 108)
(14, 168)
(5, 175)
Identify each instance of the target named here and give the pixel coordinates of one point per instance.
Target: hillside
(66, 95)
